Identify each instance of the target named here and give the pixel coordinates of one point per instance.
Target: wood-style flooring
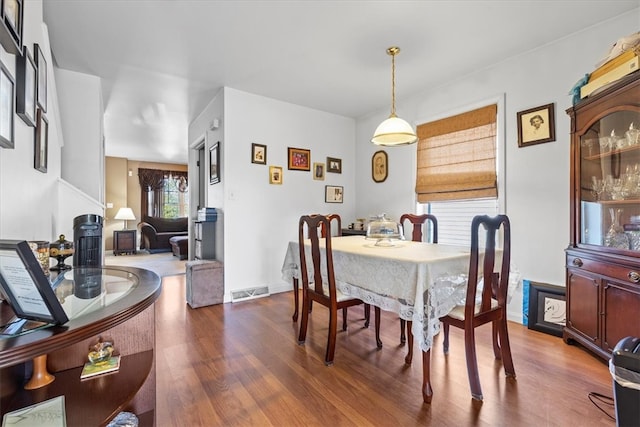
(240, 365)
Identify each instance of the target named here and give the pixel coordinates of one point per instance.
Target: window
(164, 193)
(175, 203)
(458, 166)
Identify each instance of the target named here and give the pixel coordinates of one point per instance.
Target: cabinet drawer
(618, 272)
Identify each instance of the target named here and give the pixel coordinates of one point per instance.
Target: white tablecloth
(420, 281)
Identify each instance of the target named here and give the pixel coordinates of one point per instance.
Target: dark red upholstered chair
(491, 307)
(316, 289)
(421, 229)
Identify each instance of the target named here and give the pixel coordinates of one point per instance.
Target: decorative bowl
(100, 352)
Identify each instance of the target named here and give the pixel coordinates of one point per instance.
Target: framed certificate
(25, 285)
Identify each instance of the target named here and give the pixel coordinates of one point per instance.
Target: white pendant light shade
(394, 131)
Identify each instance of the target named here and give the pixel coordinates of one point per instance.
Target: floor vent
(251, 293)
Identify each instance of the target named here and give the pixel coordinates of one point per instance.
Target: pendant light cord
(393, 51)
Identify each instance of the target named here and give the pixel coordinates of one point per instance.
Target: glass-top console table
(115, 303)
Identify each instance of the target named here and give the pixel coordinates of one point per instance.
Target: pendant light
(394, 131)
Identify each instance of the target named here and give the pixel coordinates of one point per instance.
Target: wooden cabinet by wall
(603, 257)
(205, 239)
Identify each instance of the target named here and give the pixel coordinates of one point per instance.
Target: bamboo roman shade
(457, 157)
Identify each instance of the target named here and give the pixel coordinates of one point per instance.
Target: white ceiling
(162, 61)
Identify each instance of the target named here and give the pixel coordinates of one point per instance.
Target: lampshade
(125, 213)
(394, 131)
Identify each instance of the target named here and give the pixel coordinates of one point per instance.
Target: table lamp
(125, 214)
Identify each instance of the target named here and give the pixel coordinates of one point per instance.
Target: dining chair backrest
(420, 223)
(495, 283)
(314, 224)
(334, 230)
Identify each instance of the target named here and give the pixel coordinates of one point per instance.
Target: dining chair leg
(472, 363)
(403, 338)
(344, 319)
(377, 321)
(445, 341)
(409, 358)
(304, 321)
(507, 361)
(367, 314)
(331, 339)
(497, 352)
(295, 299)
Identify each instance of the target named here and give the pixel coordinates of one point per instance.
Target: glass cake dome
(384, 231)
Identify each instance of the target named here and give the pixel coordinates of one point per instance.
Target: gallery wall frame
(299, 159)
(318, 171)
(41, 146)
(11, 24)
(536, 125)
(7, 108)
(259, 154)
(214, 163)
(334, 165)
(333, 193)
(41, 83)
(275, 175)
(26, 87)
(547, 308)
(379, 166)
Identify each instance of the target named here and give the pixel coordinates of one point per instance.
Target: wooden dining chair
(321, 286)
(491, 305)
(424, 226)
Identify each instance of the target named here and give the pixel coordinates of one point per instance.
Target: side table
(124, 242)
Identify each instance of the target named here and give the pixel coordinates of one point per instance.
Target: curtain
(153, 181)
(457, 157)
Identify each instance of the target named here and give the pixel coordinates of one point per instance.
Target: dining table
(421, 282)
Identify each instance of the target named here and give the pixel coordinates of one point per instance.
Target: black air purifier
(87, 241)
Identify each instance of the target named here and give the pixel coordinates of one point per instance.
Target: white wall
(537, 177)
(27, 195)
(80, 98)
(260, 218)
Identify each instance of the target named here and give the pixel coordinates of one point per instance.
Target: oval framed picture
(379, 168)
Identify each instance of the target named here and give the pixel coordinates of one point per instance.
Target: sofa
(155, 232)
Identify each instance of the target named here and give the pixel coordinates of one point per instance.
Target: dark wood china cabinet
(603, 257)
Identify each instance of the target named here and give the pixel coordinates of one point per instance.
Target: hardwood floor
(240, 365)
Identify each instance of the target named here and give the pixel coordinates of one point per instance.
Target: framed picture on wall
(333, 193)
(259, 154)
(11, 13)
(275, 175)
(214, 163)
(318, 171)
(299, 159)
(26, 87)
(379, 169)
(7, 103)
(41, 86)
(536, 125)
(334, 165)
(41, 149)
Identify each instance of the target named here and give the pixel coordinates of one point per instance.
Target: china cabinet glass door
(610, 182)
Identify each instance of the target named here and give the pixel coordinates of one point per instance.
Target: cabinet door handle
(634, 276)
(578, 263)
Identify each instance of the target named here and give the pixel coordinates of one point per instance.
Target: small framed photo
(299, 159)
(7, 103)
(11, 15)
(26, 87)
(41, 87)
(333, 193)
(318, 171)
(379, 169)
(334, 165)
(259, 154)
(275, 175)
(214, 163)
(536, 125)
(41, 150)
(547, 308)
